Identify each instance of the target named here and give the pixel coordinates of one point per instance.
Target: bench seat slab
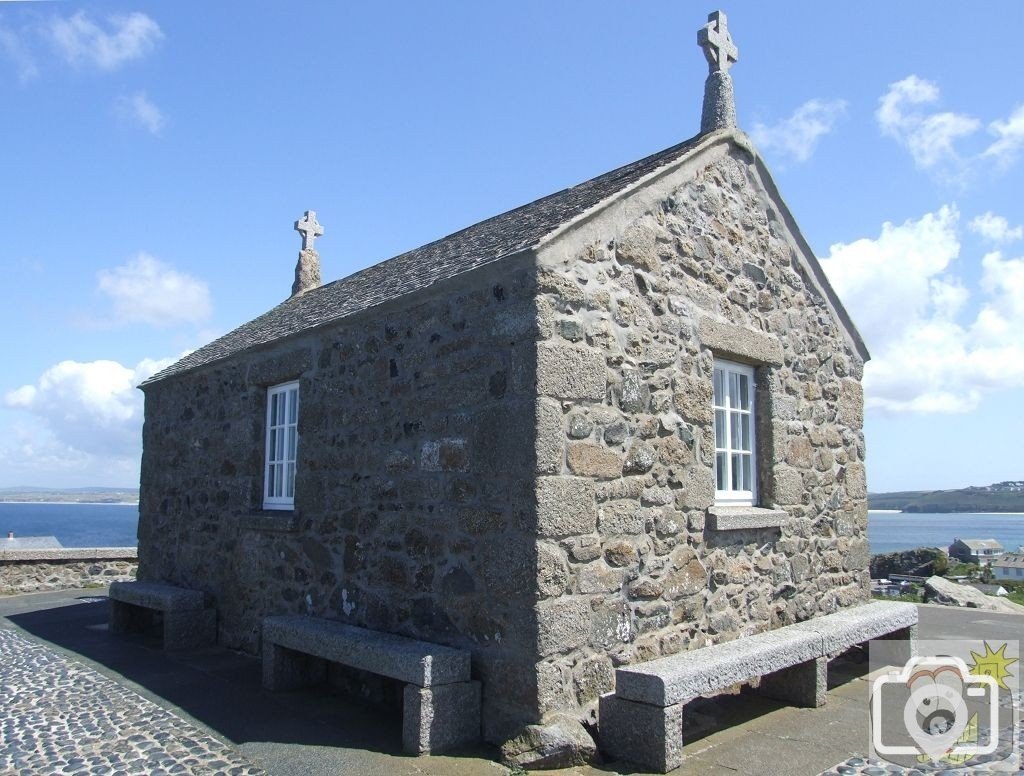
(682, 677)
(408, 660)
(639, 733)
(843, 629)
(438, 718)
(187, 623)
(154, 595)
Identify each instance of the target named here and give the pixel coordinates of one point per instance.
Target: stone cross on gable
(309, 228)
(717, 43)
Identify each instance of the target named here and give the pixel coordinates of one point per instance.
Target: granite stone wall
(413, 509)
(518, 461)
(630, 564)
(31, 571)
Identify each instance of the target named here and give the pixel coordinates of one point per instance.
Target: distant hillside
(999, 497)
(93, 495)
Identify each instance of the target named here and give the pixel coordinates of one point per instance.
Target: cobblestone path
(60, 717)
(1003, 761)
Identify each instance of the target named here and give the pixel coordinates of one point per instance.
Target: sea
(115, 525)
(74, 525)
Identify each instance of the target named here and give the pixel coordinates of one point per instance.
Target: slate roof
(480, 244)
(980, 544)
(1010, 560)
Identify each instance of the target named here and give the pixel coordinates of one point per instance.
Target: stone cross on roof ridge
(717, 43)
(309, 228)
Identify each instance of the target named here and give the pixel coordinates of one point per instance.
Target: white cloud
(907, 301)
(139, 110)
(14, 48)
(929, 136)
(995, 228)
(146, 290)
(797, 136)
(82, 41)
(86, 409)
(1010, 134)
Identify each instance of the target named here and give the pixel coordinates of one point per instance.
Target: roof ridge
(473, 246)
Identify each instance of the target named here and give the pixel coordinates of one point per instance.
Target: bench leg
(123, 618)
(805, 684)
(286, 669)
(440, 717)
(648, 736)
(190, 630)
(896, 648)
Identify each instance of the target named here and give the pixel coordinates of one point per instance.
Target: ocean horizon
(116, 525)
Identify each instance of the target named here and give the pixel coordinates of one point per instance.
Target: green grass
(914, 598)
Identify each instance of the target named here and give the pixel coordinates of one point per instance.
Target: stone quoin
(618, 423)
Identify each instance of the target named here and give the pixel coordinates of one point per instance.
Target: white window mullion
(735, 447)
(281, 446)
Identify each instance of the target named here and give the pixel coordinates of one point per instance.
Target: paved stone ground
(75, 700)
(1002, 761)
(60, 717)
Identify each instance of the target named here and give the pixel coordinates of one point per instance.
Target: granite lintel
(270, 522)
(728, 339)
(722, 518)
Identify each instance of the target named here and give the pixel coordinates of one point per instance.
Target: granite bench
(188, 622)
(642, 721)
(440, 704)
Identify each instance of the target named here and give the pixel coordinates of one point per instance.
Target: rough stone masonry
(506, 439)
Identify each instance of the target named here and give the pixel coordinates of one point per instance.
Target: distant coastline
(76, 503)
(1000, 498)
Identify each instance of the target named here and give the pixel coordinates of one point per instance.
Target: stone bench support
(441, 705)
(188, 623)
(642, 721)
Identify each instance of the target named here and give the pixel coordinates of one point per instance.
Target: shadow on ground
(218, 688)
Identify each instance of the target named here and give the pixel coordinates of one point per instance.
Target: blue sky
(156, 154)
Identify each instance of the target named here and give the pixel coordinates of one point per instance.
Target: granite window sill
(721, 518)
(271, 521)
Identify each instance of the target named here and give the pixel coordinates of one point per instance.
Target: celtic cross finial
(717, 43)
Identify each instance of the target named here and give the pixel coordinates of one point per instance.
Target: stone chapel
(618, 423)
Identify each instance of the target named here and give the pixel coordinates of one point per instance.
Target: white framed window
(282, 445)
(735, 459)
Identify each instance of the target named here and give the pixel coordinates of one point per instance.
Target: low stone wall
(29, 571)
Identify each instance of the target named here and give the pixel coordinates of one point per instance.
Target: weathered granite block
(649, 736)
(841, 630)
(566, 506)
(570, 372)
(186, 623)
(288, 669)
(562, 624)
(408, 660)
(440, 717)
(153, 595)
(805, 684)
(740, 518)
(682, 677)
(731, 340)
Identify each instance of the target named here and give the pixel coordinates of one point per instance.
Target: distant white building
(1009, 568)
(29, 542)
(980, 551)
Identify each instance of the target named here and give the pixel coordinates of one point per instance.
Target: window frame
(270, 459)
(731, 497)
